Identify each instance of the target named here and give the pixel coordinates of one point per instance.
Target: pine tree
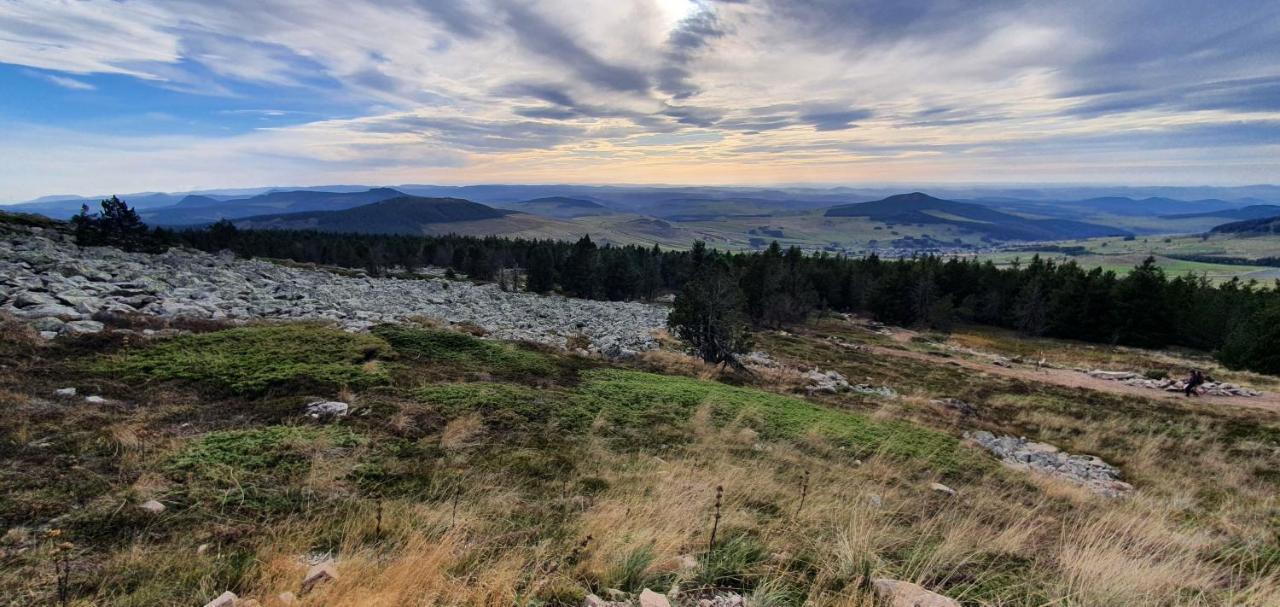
(580, 277)
(542, 270)
(116, 225)
(707, 315)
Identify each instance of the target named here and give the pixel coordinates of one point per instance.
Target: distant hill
(401, 215)
(920, 208)
(64, 207)
(204, 209)
(1153, 206)
(1257, 211)
(1251, 227)
(560, 207)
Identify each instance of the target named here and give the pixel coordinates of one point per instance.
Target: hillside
(559, 207)
(401, 215)
(1256, 211)
(920, 208)
(1251, 227)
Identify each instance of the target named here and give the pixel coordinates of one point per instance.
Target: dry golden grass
(1008, 537)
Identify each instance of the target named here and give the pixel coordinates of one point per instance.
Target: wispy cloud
(69, 83)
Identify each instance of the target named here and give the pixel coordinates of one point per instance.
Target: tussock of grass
(252, 361)
(464, 351)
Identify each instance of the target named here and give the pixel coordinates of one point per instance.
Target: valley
(1116, 232)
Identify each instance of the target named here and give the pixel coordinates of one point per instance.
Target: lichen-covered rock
(1088, 470)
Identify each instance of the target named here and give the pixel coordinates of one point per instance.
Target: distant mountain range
(198, 209)
(920, 208)
(730, 217)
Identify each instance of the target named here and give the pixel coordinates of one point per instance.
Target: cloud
(544, 38)
(486, 88)
(68, 83)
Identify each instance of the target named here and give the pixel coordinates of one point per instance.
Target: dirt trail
(1268, 401)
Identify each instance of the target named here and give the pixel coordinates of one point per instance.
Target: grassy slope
(475, 472)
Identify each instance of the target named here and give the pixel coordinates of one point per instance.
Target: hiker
(1193, 382)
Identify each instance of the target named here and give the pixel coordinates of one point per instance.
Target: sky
(102, 96)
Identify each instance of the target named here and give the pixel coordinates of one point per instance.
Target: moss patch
(251, 361)
(464, 352)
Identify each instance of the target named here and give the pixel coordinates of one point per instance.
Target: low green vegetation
(635, 399)
(256, 470)
(463, 352)
(252, 361)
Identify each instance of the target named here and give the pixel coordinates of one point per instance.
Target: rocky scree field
(64, 289)
(174, 467)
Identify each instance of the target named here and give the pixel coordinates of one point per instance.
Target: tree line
(776, 287)
(721, 294)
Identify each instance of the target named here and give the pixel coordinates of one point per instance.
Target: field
(1121, 255)
(484, 473)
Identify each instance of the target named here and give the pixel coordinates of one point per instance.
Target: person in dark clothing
(1193, 382)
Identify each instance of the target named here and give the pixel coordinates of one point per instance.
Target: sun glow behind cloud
(238, 93)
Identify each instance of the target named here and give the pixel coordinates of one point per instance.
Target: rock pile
(1096, 475)
(60, 289)
(1173, 385)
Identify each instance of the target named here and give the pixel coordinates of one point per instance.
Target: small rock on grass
(65, 392)
(226, 599)
(151, 506)
(649, 598)
(941, 488)
(327, 408)
(95, 400)
(905, 594)
(319, 574)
